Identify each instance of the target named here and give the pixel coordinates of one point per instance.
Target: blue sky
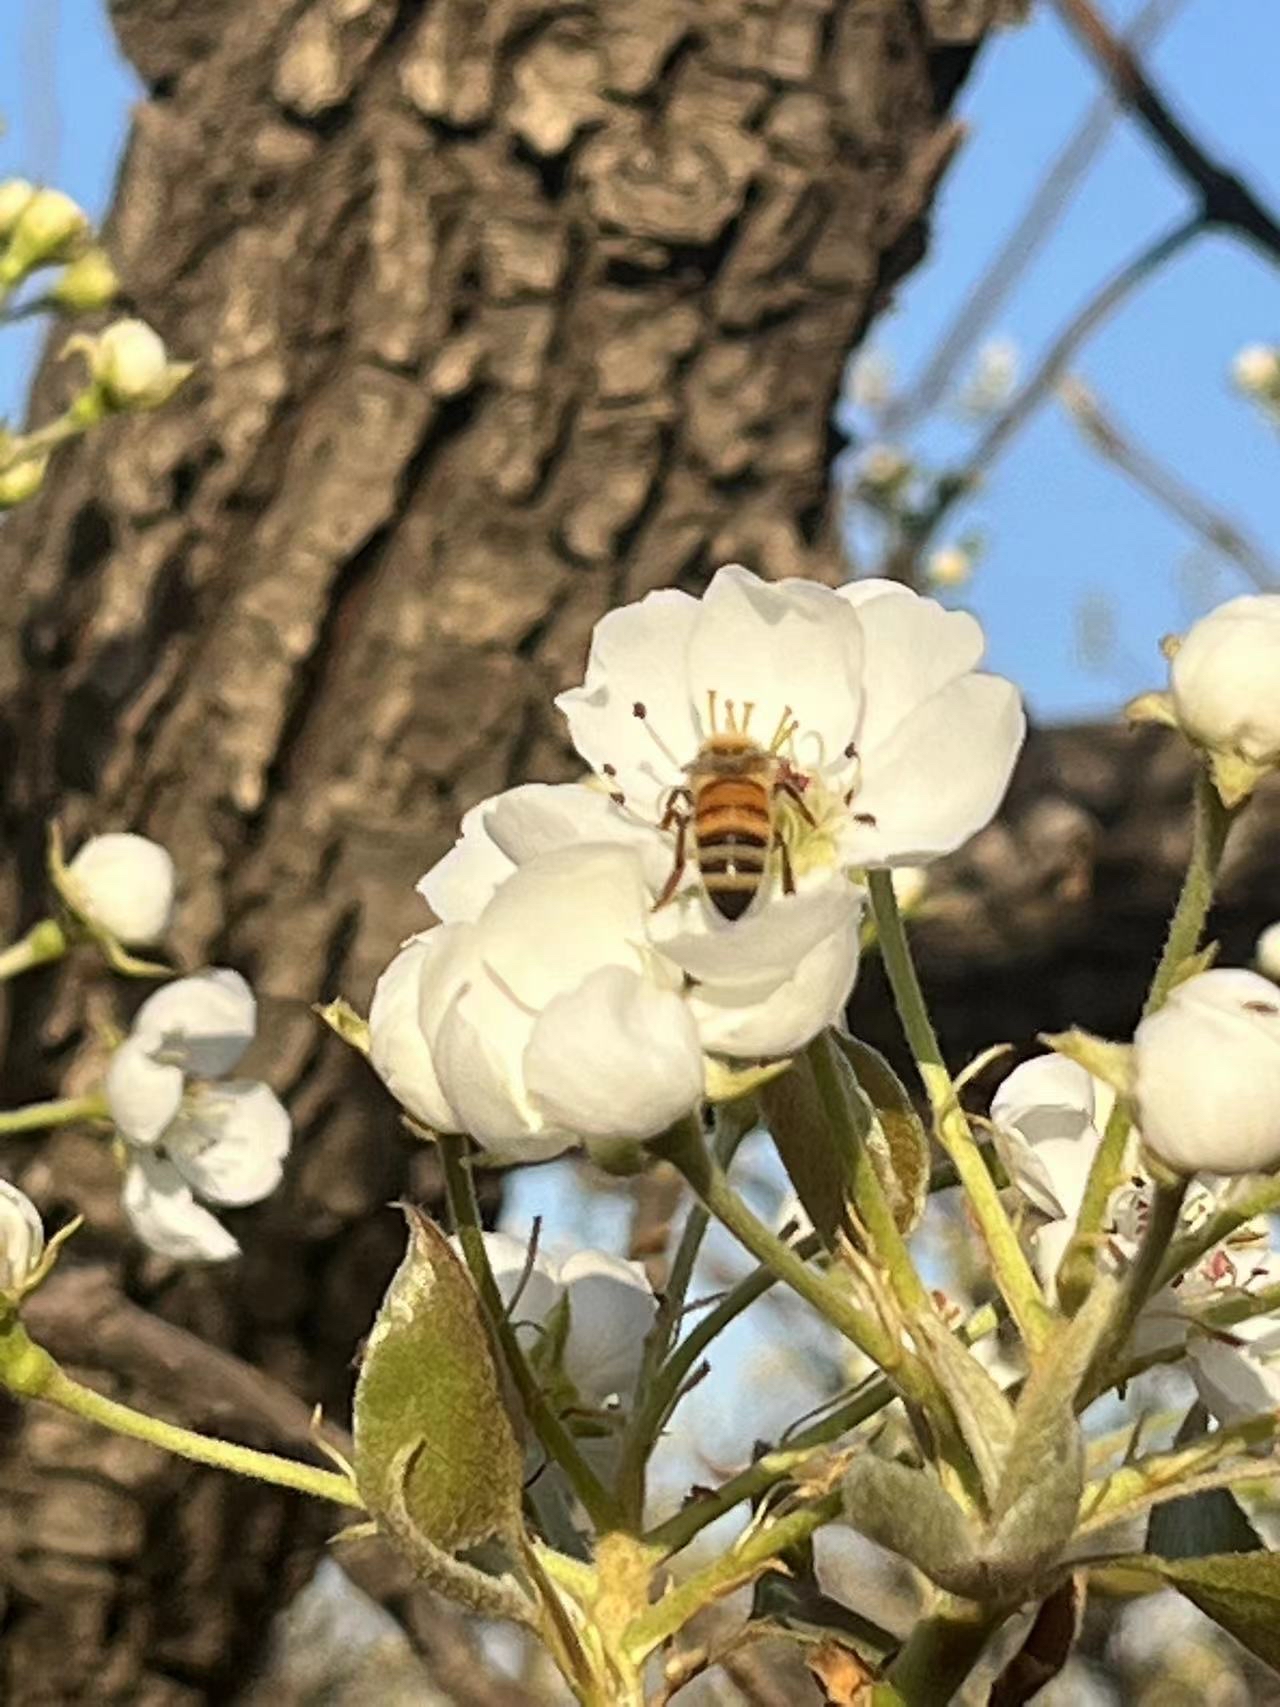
(1066, 534)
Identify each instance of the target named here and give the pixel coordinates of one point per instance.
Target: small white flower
(125, 885)
(994, 377)
(870, 380)
(1207, 1075)
(21, 1239)
(882, 468)
(189, 1129)
(47, 227)
(898, 748)
(131, 366)
(1256, 369)
(1049, 1114)
(1225, 680)
(1267, 953)
(949, 566)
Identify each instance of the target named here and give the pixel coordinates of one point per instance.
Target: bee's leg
(681, 822)
(788, 876)
(679, 804)
(794, 795)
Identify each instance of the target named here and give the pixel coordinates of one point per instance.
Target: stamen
(730, 711)
(711, 711)
(785, 730)
(748, 707)
(640, 711)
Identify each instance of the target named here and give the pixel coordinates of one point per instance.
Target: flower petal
(482, 1084)
(457, 887)
(1232, 1383)
(126, 884)
(611, 1309)
(940, 776)
(167, 1218)
(614, 1058)
(1044, 1116)
(731, 1022)
(765, 946)
(535, 1285)
(779, 645)
(206, 1022)
(912, 648)
(142, 1094)
(229, 1141)
(398, 1048)
(638, 658)
(544, 817)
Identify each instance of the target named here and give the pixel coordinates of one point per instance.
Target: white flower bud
(125, 885)
(21, 1238)
(1267, 954)
(132, 366)
(1256, 370)
(951, 566)
(49, 228)
(89, 283)
(15, 193)
(1207, 1075)
(22, 481)
(1225, 682)
(883, 467)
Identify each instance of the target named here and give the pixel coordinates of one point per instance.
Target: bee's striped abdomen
(733, 831)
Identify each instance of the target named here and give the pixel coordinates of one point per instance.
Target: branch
(1160, 483)
(1038, 222)
(1223, 198)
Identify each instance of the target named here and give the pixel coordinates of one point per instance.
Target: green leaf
(819, 1167)
(897, 1140)
(1110, 1062)
(1239, 1591)
(1212, 1521)
(985, 1416)
(435, 1450)
(343, 1019)
(910, 1513)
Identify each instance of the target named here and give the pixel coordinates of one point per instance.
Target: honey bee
(730, 805)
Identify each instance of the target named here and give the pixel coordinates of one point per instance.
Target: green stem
(941, 1652)
(27, 1370)
(740, 1565)
(1141, 1276)
(45, 941)
(1211, 825)
(38, 1115)
(556, 1440)
(1012, 1271)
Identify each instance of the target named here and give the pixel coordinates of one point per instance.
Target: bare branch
(1223, 197)
(1114, 443)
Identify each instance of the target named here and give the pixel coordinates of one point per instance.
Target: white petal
(229, 1141)
(731, 1022)
(398, 1048)
(912, 648)
(1048, 1247)
(764, 947)
(126, 884)
(638, 658)
(614, 1058)
(1232, 1383)
(940, 777)
(1044, 1115)
(206, 1021)
(545, 817)
(21, 1236)
(611, 1309)
(777, 645)
(143, 1095)
(1225, 677)
(536, 1283)
(482, 1083)
(458, 886)
(167, 1218)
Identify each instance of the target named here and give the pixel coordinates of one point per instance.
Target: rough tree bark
(504, 310)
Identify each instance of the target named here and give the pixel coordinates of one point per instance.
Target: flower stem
(35, 1116)
(45, 941)
(739, 1565)
(1012, 1271)
(28, 1371)
(556, 1440)
(941, 1652)
(1211, 825)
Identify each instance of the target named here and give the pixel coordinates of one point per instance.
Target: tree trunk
(504, 312)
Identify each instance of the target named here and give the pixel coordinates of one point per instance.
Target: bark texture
(505, 311)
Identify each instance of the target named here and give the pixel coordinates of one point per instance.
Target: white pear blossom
(1267, 953)
(893, 747)
(190, 1131)
(545, 1018)
(1049, 1114)
(1256, 369)
(1237, 1370)
(21, 1238)
(46, 227)
(124, 884)
(610, 1309)
(1225, 681)
(131, 365)
(1207, 1075)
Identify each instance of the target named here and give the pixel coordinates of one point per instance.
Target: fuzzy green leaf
(897, 1140)
(434, 1444)
(1239, 1591)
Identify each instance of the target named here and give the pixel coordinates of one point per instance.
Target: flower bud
(1207, 1075)
(1225, 683)
(49, 228)
(951, 566)
(15, 193)
(22, 481)
(1256, 370)
(124, 884)
(21, 1238)
(131, 366)
(1267, 954)
(89, 283)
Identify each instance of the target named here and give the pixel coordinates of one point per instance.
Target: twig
(1038, 222)
(1223, 198)
(1111, 441)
